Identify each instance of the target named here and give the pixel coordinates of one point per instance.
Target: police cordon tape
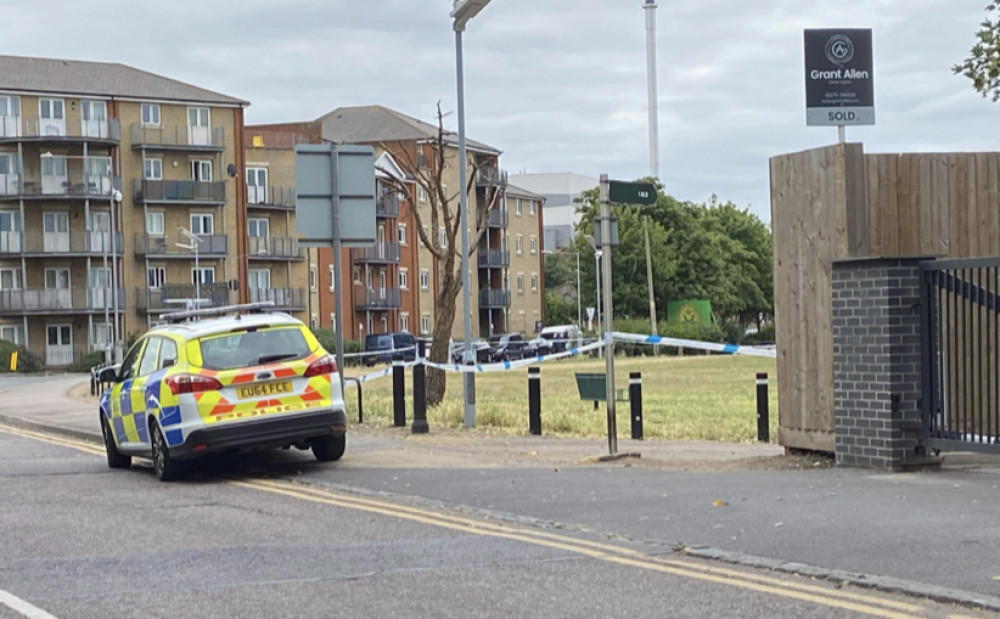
(726, 349)
(510, 365)
(381, 373)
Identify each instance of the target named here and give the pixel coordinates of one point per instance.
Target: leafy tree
(982, 66)
(560, 268)
(559, 311)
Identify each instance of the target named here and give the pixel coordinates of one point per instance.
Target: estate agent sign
(839, 80)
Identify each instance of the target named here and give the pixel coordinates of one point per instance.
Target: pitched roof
(376, 123)
(517, 192)
(78, 77)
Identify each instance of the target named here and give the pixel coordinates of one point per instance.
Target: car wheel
(116, 459)
(166, 468)
(329, 448)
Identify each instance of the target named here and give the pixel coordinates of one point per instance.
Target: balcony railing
(59, 300)
(79, 242)
(274, 247)
(493, 297)
(271, 197)
(387, 206)
(287, 298)
(495, 218)
(212, 246)
(379, 299)
(493, 258)
(176, 296)
(181, 192)
(67, 186)
(15, 128)
(178, 137)
(381, 253)
(491, 177)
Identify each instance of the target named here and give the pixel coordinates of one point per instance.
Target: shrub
(27, 361)
(763, 336)
(88, 361)
(328, 340)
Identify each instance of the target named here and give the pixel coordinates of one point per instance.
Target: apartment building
(524, 211)
(121, 197)
(404, 290)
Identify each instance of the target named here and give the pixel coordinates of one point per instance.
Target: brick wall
(876, 361)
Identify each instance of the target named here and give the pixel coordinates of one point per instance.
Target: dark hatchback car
(507, 347)
(387, 347)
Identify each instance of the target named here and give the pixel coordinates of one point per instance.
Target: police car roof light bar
(245, 308)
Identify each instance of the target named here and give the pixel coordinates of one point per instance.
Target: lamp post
(463, 11)
(193, 245)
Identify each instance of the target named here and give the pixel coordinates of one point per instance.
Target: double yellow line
(833, 598)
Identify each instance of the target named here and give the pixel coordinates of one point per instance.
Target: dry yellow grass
(684, 398)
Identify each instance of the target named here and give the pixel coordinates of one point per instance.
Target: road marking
(844, 600)
(26, 609)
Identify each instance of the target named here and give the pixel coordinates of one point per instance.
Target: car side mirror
(108, 375)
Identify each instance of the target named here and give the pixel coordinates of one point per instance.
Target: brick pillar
(876, 361)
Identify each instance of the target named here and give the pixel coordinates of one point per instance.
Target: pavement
(930, 534)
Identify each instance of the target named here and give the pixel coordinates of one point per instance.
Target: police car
(222, 379)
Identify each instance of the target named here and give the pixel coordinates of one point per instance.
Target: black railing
(178, 191)
(494, 297)
(493, 258)
(960, 302)
(387, 206)
(384, 253)
(179, 137)
(379, 299)
(495, 218)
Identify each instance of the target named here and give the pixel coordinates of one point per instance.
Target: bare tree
(444, 213)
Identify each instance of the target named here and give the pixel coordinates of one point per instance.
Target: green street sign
(631, 193)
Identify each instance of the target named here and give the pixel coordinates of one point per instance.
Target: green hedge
(27, 361)
(764, 336)
(328, 340)
(683, 330)
(88, 361)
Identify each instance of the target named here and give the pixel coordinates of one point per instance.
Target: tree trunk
(445, 320)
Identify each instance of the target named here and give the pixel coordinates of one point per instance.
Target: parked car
(479, 345)
(382, 347)
(562, 337)
(535, 347)
(238, 377)
(507, 347)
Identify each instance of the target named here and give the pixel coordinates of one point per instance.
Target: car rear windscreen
(249, 348)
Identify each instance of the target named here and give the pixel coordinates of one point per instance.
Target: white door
(101, 338)
(52, 117)
(260, 285)
(258, 230)
(57, 294)
(11, 295)
(97, 175)
(99, 237)
(55, 231)
(54, 177)
(10, 232)
(10, 116)
(58, 344)
(201, 170)
(257, 185)
(8, 174)
(199, 126)
(94, 119)
(380, 241)
(100, 287)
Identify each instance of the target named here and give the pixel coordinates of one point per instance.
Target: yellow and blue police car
(222, 379)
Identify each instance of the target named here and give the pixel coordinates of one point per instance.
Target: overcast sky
(558, 85)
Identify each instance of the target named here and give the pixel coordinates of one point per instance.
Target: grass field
(684, 398)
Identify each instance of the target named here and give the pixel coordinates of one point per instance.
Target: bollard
(398, 396)
(763, 427)
(419, 425)
(635, 400)
(535, 400)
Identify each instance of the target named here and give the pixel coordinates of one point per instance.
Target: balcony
(379, 299)
(495, 218)
(58, 301)
(491, 177)
(271, 198)
(174, 297)
(178, 192)
(387, 206)
(493, 259)
(211, 247)
(69, 244)
(283, 298)
(274, 248)
(62, 187)
(178, 138)
(15, 129)
(381, 253)
(494, 297)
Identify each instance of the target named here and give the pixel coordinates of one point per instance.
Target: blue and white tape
(379, 373)
(726, 349)
(511, 365)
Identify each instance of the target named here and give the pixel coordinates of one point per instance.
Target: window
(57, 223)
(333, 280)
(404, 279)
(150, 113)
(519, 244)
(128, 364)
(152, 169)
(371, 324)
(168, 354)
(10, 279)
(201, 224)
(148, 364)
(258, 227)
(384, 323)
(312, 278)
(531, 208)
(57, 279)
(201, 170)
(520, 283)
(421, 194)
(259, 279)
(102, 336)
(534, 282)
(9, 333)
(241, 349)
(443, 237)
(156, 276)
(425, 279)
(533, 244)
(401, 234)
(204, 275)
(517, 206)
(425, 323)
(404, 322)
(356, 275)
(154, 224)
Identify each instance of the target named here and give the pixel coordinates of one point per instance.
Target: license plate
(264, 389)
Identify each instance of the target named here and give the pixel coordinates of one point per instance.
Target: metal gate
(961, 354)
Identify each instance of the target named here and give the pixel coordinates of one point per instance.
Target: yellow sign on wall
(13, 361)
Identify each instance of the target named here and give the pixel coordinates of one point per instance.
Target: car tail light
(192, 383)
(323, 365)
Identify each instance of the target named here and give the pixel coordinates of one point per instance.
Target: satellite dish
(234, 284)
(231, 169)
